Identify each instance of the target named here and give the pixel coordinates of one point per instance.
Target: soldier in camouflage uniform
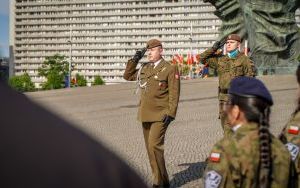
(252, 156)
(291, 138)
(228, 66)
(159, 83)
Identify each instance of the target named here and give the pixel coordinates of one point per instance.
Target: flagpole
(246, 48)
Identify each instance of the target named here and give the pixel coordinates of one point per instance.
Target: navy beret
(250, 87)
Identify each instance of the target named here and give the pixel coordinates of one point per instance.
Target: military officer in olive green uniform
(159, 83)
(252, 156)
(290, 136)
(228, 66)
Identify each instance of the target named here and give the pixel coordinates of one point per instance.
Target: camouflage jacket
(228, 68)
(160, 94)
(234, 161)
(291, 138)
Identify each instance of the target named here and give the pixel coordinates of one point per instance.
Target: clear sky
(4, 27)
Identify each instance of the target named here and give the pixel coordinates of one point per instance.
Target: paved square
(108, 114)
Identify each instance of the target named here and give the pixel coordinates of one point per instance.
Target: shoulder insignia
(293, 149)
(212, 179)
(215, 157)
(293, 130)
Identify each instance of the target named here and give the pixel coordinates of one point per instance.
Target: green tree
(98, 81)
(81, 81)
(54, 68)
(21, 83)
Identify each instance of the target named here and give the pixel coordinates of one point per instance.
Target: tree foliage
(98, 81)
(54, 68)
(81, 81)
(21, 83)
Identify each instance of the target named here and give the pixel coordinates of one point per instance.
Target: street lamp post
(70, 58)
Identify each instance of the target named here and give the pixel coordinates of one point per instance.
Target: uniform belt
(225, 91)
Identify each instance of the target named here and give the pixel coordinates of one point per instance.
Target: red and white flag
(293, 130)
(215, 157)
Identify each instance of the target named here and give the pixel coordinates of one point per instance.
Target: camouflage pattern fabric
(228, 68)
(234, 161)
(291, 138)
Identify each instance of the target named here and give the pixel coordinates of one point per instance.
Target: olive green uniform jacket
(160, 96)
(234, 161)
(291, 138)
(228, 68)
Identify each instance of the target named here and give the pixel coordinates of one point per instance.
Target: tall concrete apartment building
(101, 35)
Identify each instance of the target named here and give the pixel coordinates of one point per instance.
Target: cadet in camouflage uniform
(228, 66)
(159, 83)
(291, 138)
(252, 156)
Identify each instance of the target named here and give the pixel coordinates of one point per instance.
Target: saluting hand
(139, 55)
(218, 44)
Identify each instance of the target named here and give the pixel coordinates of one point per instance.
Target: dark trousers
(154, 136)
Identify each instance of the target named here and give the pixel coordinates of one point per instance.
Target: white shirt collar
(236, 127)
(157, 62)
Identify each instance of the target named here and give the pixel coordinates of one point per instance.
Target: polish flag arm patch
(293, 130)
(215, 157)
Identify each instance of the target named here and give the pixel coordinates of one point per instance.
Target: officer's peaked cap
(250, 87)
(153, 43)
(234, 37)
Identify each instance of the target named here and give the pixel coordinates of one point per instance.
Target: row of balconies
(121, 14)
(49, 52)
(103, 41)
(149, 3)
(77, 67)
(98, 34)
(67, 20)
(129, 26)
(101, 49)
(120, 74)
(108, 44)
(201, 7)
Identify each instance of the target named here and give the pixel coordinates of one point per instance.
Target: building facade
(102, 35)
(99, 36)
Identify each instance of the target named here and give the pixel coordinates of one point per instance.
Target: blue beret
(250, 87)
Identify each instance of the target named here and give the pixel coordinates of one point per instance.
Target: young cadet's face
(232, 45)
(154, 54)
(232, 113)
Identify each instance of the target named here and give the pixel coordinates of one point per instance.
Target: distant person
(228, 66)
(159, 82)
(39, 150)
(291, 138)
(252, 156)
